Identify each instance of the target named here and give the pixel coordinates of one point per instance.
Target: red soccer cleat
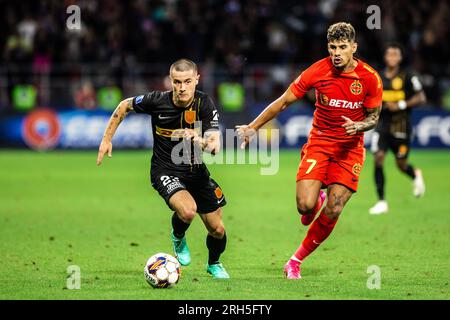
(292, 269)
(308, 218)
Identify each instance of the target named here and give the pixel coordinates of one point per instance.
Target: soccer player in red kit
(348, 102)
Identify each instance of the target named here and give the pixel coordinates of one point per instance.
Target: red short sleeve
(303, 83)
(374, 94)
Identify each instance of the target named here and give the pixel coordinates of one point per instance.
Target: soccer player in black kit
(402, 91)
(177, 172)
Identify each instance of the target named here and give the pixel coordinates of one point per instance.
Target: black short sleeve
(413, 83)
(145, 103)
(209, 115)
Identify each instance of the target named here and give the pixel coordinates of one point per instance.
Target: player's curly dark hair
(341, 31)
(393, 44)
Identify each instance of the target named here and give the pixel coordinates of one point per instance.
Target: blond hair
(183, 65)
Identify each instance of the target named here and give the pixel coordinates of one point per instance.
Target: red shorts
(332, 162)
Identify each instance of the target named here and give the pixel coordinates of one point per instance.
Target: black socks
(379, 178)
(379, 181)
(179, 226)
(215, 247)
(410, 171)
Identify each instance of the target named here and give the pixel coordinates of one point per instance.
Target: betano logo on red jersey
(338, 103)
(345, 104)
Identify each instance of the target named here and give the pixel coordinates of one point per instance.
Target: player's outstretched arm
(117, 117)
(246, 132)
(370, 122)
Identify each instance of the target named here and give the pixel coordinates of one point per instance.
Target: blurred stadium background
(59, 86)
(248, 53)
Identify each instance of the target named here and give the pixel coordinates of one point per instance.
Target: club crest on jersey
(402, 150)
(357, 167)
(218, 193)
(397, 83)
(189, 116)
(356, 87)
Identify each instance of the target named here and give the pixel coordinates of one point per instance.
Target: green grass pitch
(59, 209)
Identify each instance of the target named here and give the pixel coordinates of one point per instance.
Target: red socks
(317, 233)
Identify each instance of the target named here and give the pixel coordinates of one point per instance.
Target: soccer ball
(162, 271)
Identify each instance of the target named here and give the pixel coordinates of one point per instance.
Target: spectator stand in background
(231, 96)
(24, 97)
(234, 35)
(109, 97)
(446, 100)
(85, 97)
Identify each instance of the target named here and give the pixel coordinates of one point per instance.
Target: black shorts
(385, 140)
(206, 192)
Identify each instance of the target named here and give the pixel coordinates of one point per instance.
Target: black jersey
(401, 87)
(166, 118)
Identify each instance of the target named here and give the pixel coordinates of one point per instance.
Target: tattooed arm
(117, 117)
(370, 122)
(247, 132)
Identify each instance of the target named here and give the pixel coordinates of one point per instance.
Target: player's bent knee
(379, 160)
(402, 165)
(218, 232)
(333, 212)
(188, 212)
(305, 206)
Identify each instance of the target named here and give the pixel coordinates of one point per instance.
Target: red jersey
(339, 94)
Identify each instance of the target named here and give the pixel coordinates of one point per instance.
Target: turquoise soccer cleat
(181, 250)
(217, 271)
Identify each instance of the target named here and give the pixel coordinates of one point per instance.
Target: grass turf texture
(58, 209)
